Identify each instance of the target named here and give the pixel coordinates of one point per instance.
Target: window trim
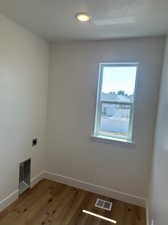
(96, 132)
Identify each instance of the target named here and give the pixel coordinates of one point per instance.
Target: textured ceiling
(54, 19)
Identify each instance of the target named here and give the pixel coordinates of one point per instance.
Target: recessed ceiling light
(82, 17)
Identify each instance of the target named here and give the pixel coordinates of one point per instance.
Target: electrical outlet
(34, 142)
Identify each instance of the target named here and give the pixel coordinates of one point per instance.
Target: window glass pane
(118, 83)
(115, 118)
(114, 115)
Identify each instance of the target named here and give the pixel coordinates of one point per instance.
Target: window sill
(106, 139)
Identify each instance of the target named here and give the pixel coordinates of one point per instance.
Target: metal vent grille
(103, 204)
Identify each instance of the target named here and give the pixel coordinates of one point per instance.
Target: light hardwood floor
(51, 203)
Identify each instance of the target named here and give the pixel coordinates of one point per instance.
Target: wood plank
(52, 203)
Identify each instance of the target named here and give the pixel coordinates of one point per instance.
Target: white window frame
(107, 135)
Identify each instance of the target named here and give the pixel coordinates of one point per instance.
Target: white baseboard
(37, 178)
(147, 215)
(9, 199)
(125, 197)
(4, 203)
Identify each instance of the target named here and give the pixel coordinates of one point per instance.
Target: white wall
(23, 94)
(158, 203)
(24, 61)
(72, 98)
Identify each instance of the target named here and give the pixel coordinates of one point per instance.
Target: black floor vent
(103, 204)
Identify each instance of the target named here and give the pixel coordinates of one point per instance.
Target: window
(115, 101)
